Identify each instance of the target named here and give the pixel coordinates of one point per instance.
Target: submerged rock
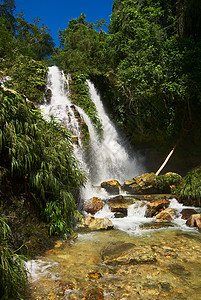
(143, 184)
(93, 205)
(94, 275)
(115, 249)
(155, 207)
(111, 186)
(94, 293)
(194, 221)
(93, 223)
(135, 255)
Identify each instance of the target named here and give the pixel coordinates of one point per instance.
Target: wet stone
(153, 208)
(111, 186)
(93, 205)
(187, 212)
(92, 223)
(194, 221)
(115, 249)
(120, 214)
(119, 205)
(136, 255)
(178, 269)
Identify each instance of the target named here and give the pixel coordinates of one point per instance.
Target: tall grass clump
(13, 272)
(190, 187)
(40, 154)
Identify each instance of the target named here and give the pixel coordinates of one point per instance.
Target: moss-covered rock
(143, 184)
(166, 183)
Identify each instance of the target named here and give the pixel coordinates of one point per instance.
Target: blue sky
(56, 14)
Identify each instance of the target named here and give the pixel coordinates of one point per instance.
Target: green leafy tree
(82, 47)
(34, 40)
(145, 61)
(29, 77)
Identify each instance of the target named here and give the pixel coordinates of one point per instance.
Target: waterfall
(60, 105)
(106, 158)
(111, 152)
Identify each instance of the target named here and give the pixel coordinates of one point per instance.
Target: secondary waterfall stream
(158, 262)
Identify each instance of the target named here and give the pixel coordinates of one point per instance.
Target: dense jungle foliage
(37, 162)
(147, 68)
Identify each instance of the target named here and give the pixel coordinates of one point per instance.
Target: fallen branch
(165, 162)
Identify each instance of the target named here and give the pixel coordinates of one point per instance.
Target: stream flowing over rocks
(136, 241)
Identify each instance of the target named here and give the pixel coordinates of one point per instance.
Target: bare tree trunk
(165, 162)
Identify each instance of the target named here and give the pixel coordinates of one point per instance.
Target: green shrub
(190, 187)
(40, 154)
(166, 183)
(29, 77)
(13, 272)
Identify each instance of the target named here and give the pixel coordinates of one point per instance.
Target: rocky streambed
(135, 258)
(115, 265)
(143, 246)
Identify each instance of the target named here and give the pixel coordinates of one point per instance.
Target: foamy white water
(111, 153)
(136, 220)
(40, 268)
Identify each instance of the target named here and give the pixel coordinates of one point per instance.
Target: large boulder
(119, 205)
(166, 214)
(153, 208)
(93, 205)
(93, 223)
(111, 186)
(187, 212)
(194, 221)
(141, 185)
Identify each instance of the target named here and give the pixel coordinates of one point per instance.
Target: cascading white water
(60, 106)
(106, 158)
(111, 152)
